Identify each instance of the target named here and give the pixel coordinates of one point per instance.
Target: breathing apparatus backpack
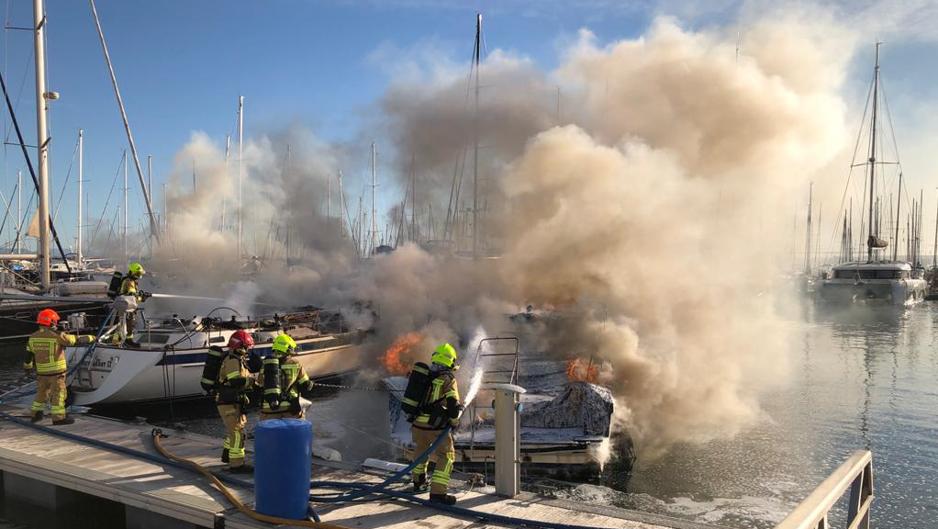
(272, 380)
(114, 287)
(211, 368)
(418, 388)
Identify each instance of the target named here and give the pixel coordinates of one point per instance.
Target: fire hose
(157, 435)
(359, 490)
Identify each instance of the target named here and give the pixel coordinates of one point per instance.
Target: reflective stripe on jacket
(441, 388)
(232, 380)
(129, 288)
(46, 347)
(293, 378)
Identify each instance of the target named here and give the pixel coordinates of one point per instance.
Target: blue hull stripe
(171, 359)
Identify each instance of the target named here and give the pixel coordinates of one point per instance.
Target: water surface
(861, 379)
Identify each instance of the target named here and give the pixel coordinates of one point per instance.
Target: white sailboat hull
(114, 375)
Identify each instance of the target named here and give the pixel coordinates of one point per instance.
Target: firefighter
(234, 381)
(284, 381)
(441, 409)
(45, 352)
(132, 295)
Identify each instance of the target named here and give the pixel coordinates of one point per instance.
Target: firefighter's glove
(454, 408)
(144, 295)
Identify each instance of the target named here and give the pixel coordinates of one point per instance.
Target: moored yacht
(895, 283)
(171, 354)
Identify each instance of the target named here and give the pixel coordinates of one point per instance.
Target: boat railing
(855, 475)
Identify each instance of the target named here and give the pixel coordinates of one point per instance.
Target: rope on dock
(157, 435)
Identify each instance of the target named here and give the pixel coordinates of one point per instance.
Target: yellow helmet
(444, 355)
(135, 269)
(284, 344)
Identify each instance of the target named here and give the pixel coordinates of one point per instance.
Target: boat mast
(81, 167)
(154, 229)
(126, 254)
(374, 186)
(19, 209)
(39, 22)
(807, 242)
(895, 249)
(934, 252)
(413, 197)
(872, 239)
(224, 197)
(475, 126)
(240, 187)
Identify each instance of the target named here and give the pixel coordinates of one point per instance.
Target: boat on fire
(566, 426)
(171, 355)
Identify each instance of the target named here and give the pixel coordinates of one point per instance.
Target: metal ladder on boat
(500, 366)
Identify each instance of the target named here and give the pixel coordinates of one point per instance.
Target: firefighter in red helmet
(234, 382)
(45, 352)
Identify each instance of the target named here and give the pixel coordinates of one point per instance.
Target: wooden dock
(52, 471)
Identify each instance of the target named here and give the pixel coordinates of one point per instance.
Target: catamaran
(876, 280)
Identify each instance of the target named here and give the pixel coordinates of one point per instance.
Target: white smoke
(646, 218)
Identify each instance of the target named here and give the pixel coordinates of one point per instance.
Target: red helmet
(48, 318)
(241, 338)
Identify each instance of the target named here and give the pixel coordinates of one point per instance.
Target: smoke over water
(649, 215)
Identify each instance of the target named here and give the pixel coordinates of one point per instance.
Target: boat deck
(31, 459)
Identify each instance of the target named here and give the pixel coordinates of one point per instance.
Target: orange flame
(579, 370)
(401, 347)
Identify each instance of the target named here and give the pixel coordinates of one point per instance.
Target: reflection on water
(863, 378)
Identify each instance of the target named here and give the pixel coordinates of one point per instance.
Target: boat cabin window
(872, 274)
(216, 339)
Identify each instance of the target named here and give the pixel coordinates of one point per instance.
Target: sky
(323, 64)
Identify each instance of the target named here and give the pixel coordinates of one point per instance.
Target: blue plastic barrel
(283, 451)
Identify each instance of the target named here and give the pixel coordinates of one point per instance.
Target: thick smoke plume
(647, 214)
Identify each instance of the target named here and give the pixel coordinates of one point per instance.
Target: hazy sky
(323, 64)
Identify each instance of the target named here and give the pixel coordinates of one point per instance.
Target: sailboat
(875, 280)
(23, 295)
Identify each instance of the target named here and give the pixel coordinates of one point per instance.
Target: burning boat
(168, 364)
(566, 421)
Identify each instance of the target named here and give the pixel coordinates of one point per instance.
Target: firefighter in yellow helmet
(442, 408)
(284, 381)
(45, 352)
(130, 287)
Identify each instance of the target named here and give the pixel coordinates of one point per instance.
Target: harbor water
(860, 379)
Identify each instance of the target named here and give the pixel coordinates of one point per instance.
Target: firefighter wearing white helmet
(284, 381)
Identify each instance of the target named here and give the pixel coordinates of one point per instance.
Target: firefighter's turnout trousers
(51, 389)
(234, 422)
(443, 458)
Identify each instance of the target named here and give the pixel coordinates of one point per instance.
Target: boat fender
(114, 287)
(415, 395)
(272, 381)
(212, 366)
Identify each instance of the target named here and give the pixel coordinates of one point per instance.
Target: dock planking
(187, 497)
